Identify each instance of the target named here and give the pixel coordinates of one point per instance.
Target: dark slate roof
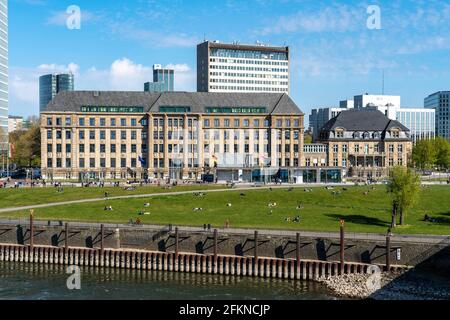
(275, 103)
(362, 120)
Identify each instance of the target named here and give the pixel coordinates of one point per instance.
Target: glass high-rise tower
(51, 84)
(163, 80)
(3, 77)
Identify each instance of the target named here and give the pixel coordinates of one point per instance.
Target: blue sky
(334, 55)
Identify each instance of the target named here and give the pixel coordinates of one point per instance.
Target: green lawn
(10, 198)
(321, 210)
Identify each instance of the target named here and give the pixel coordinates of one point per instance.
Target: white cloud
(122, 75)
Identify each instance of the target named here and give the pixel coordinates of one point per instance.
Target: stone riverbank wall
(167, 249)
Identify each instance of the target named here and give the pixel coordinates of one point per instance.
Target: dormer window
(357, 135)
(366, 135)
(395, 134)
(339, 134)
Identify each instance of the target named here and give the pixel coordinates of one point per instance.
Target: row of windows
(93, 163)
(93, 148)
(93, 122)
(274, 83)
(92, 134)
(267, 63)
(239, 68)
(248, 75)
(366, 148)
(256, 89)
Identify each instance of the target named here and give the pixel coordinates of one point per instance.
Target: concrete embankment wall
(183, 262)
(239, 245)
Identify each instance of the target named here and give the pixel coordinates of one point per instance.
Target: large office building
(366, 143)
(3, 77)
(242, 68)
(51, 84)
(440, 103)
(172, 135)
(163, 80)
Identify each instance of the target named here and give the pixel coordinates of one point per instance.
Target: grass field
(321, 210)
(10, 198)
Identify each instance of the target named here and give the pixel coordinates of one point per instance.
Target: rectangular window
(49, 134)
(206, 122)
(133, 135)
(92, 134)
(246, 123)
(81, 163)
(102, 135)
(133, 148)
(68, 134)
(133, 122)
(68, 148)
(68, 163)
(102, 148)
(81, 148)
(216, 123)
(356, 148)
(58, 121)
(237, 122)
(226, 123)
(81, 122)
(49, 121)
(92, 148)
(102, 163)
(123, 163)
(123, 122)
(92, 122)
(113, 148)
(344, 148)
(102, 122)
(113, 122)
(92, 162)
(113, 163)
(113, 135)
(256, 123)
(58, 134)
(58, 163)
(49, 148)
(59, 148)
(123, 135)
(81, 134)
(123, 148)
(49, 163)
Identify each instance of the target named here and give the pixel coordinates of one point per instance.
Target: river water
(48, 282)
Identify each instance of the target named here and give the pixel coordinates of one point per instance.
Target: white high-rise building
(3, 77)
(242, 68)
(420, 121)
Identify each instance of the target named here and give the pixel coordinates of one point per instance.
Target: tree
(308, 138)
(26, 146)
(424, 154)
(442, 149)
(404, 187)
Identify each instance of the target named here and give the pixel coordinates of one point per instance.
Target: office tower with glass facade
(163, 80)
(439, 101)
(420, 122)
(51, 84)
(3, 77)
(242, 68)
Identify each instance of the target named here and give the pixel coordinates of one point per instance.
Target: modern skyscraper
(3, 77)
(440, 102)
(51, 84)
(242, 68)
(163, 80)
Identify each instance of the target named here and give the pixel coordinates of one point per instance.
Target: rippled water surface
(48, 282)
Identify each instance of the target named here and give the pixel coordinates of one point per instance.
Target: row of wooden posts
(256, 240)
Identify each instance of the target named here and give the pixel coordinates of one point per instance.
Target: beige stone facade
(176, 145)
